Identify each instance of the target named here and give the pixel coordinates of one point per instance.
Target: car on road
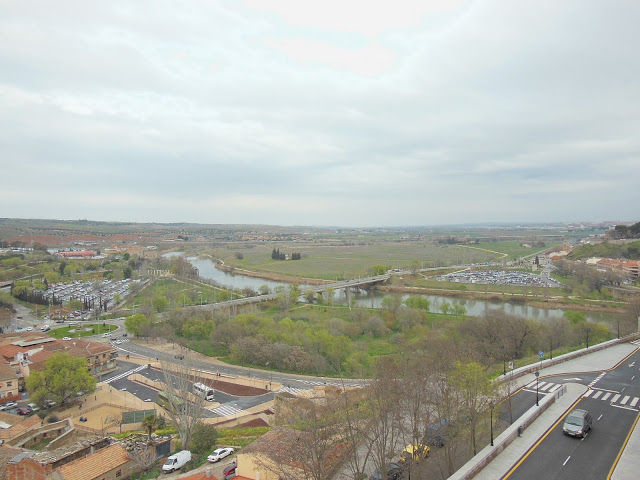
(66, 338)
(106, 335)
(577, 423)
(219, 454)
(394, 472)
(230, 470)
(179, 357)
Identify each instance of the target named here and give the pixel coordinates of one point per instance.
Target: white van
(176, 461)
(45, 328)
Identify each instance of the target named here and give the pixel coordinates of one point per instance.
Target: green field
(350, 261)
(82, 330)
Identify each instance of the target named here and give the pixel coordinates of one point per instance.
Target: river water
(373, 299)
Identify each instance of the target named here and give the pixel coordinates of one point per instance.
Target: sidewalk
(629, 464)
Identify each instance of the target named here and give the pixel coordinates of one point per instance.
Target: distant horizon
(471, 225)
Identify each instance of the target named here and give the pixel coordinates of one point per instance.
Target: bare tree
(185, 408)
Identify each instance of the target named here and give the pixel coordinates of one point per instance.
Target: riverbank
(537, 301)
(531, 300)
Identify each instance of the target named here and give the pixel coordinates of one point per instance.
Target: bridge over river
(359, 282)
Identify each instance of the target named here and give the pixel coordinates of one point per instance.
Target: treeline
(277, 255)
(630, 251)
(623, 231)
(343, 342)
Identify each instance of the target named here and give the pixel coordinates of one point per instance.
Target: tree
(378, 270)
(475, 391)
(186, 409)
(150, 425)
(136, 323)
(203, 438)
(63, 376)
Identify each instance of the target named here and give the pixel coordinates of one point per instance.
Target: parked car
(8, 406)
(176, 461)
(230, 470)
(66, 338)
(414, 452)
(23, 411)
(50, 404)
(219, 454)
(33, 407)
(577, 423)
(394, 472)
(179, 357)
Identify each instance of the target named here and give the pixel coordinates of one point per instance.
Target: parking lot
(92, 292)
(501, 277)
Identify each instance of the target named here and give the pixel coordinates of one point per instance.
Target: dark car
(230, 470)
(179, 357)
(394, 472)
(577, 423)
(437, 433)
(23, 411)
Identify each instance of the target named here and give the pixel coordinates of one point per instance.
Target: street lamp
(537, 383)
(491, 405)
(200, 298)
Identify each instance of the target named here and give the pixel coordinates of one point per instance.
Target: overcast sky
(333, 112)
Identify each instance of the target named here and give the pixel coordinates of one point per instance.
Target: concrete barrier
(482, 459)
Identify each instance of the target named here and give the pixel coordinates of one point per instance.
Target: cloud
(345, 113)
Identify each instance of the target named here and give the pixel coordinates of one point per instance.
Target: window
(9, 384)
(118, 473)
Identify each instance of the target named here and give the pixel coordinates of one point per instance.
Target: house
(631, 268)
(85, 460)
(285, 452)
(8, 382)
(27, 351)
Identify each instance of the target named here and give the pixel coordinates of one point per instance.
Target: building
(93, 459)
(631, 268)
(25, 351)
(9, 382)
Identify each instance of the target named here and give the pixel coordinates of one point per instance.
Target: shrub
(52, 419)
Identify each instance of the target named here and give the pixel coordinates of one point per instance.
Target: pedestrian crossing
(125, 374)
(543, 387)
(614, 398)
(636, 342)
(291, 390)
(597, 379)
(226, 410)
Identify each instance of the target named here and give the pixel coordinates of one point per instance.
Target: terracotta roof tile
(92, 466)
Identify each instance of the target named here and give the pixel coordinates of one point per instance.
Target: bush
(52, 419)
(203, 438)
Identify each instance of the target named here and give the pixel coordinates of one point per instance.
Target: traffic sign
(541, 353)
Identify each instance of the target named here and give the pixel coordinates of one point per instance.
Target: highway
(614, 402)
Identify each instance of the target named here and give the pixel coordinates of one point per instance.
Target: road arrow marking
(569, 379)
(632, 364)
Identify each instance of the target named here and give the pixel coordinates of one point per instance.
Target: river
(373, 299)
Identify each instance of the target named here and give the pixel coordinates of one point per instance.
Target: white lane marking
(600, 416)
(634, 401)
(625, 408)
(546, 387)
(615, 398)
(531, 384)
(597, 394)
(632, 364)
(555, 388)
(588, 394)
(565, 462)
(622, 389)
(606, 396)
(605, 390)
(625, 400)
(633, 377)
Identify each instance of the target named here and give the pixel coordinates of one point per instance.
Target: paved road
(614, 402)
